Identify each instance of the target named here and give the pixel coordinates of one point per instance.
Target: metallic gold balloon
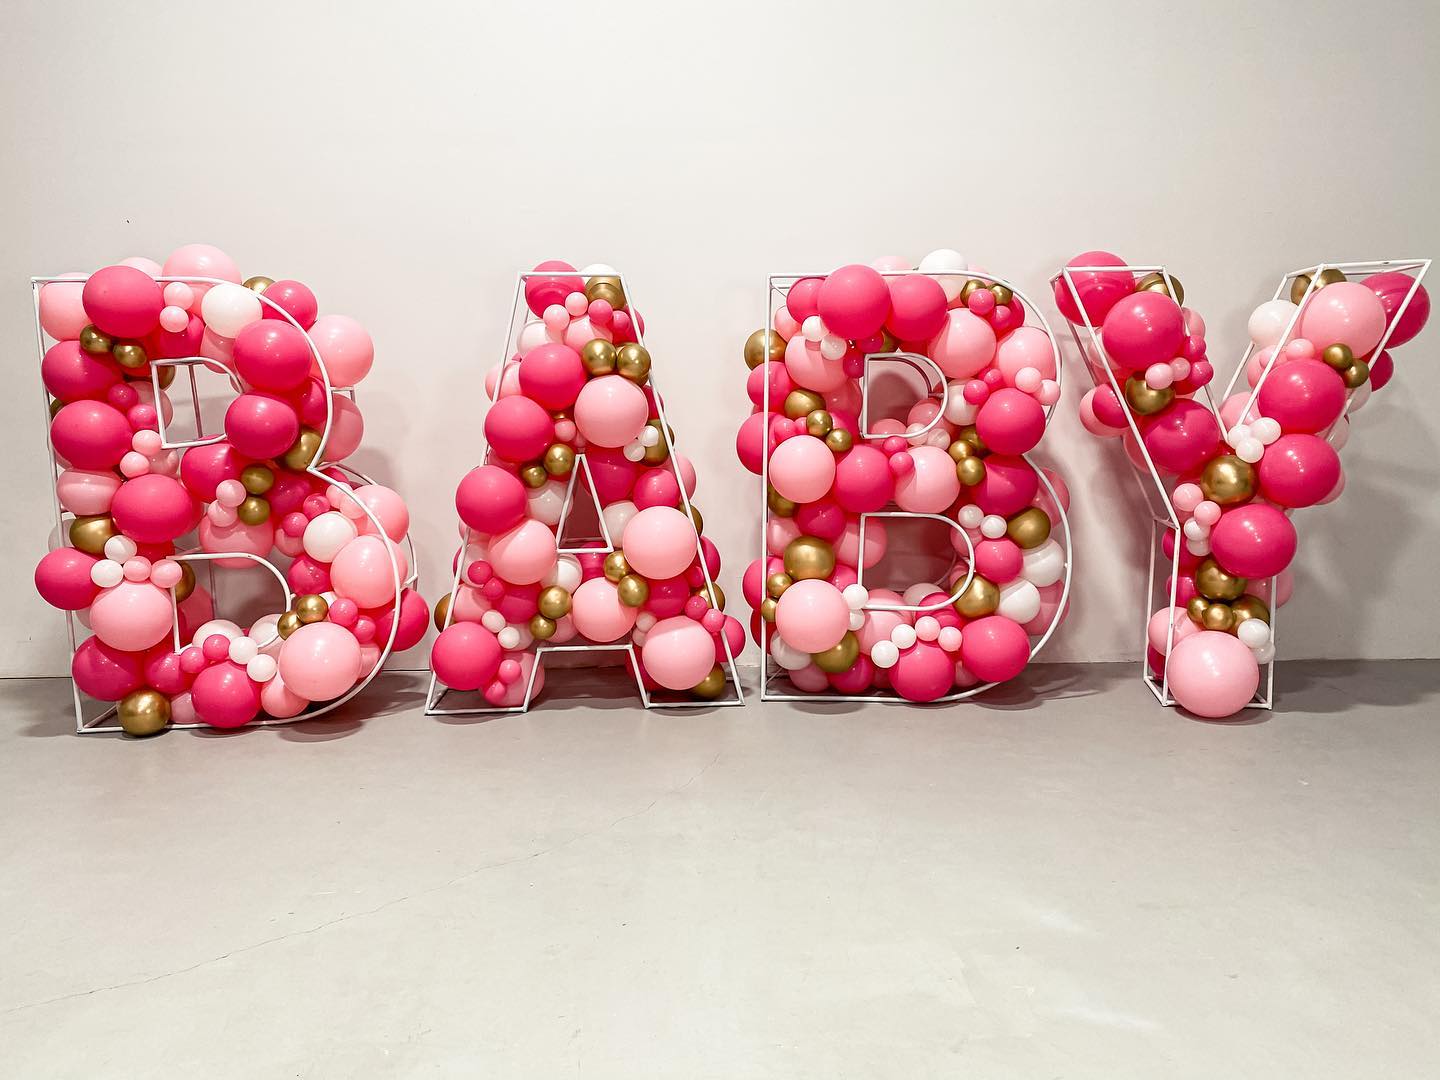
(971, 438)
(554, 602)
(167, 375)
(1250, 607)
(819, 423)
(839, 440)
(778, 503)
(1329, 277)
(311, 608)
(800, 403)
(959, 450)
(1228, 480)
(1003, 294)
(259, 283)
(1356, 375)
(1213, 582)
(1298, 288)
(970, 470)
(616, 566)
(714, 595)
(144, 712)
(254, 510)
(1029, 528)
(761, 346)
(95, 342)
(442, 611)
(541, 628)
(1338, 356)
(598, 356)
(55, 406)
(767, 609)
(981, 597)
(257, 479)
(534, 476)
(656, 455)
(633, 590)
(187, 583)
(90, 533)
(287, 624)
(840, 657)
(712, 685)
(809, 557)
(888, 341)
(302, 455)
(1157, 283)
(129, 355)
(970, 286)
(1145, 399)
(1196, 608)
(776, 584)
(559, 460)
(606, 288)
(1218, 617)
(696, 518)
(632, 360)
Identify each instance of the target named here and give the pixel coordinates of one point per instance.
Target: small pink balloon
(1212, 674)
(345, 347)
(319, 661)
(802, 469)
(597, 612)
(611, 411)
(812, 615)
(678, 653)
(1158, 629)
(279, 701)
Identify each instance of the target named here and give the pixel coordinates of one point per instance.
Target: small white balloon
(649, 436)
(832, 347)
(120, 548)
(970, 516)
(1019, 600)
(243, 650)
(645, 620)
(1266, 429)
(227, 309)
(993, 526)
(903, 636)
(1268, 322)
(617, 516)
(546, 502)
(1249, 450)
(1253, 632)
(857, 620)
(598, 270)
(917, 592)
(1043, 565)
(1339, 434)
(566, 573)
(947, 266)
(884, 654)
(856, 596)
(634, 450)
(326, 534)
(786, 655)
(1265, 653)
(216, 626)
(927, 628)
(107, 573)
(262, 668)
(493, 621)
(509, 638)
(957, 410)
(1198, 547)
(813, 329)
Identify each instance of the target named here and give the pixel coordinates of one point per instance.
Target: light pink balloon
(931, 486)
(278, 700)
(809, 679)
(597, 612)
(62, 313)
(1345, 313)
(363, 571)
(965, 345)
(779, 533)
(659, 542)
(812, 615)
(1158, 628)
(808, 368)
(847, 548)
(1233, 407)
(1213, 674)
(802, 468)
(387, 505)
(1025, 346)
(347, 428)
(523, 554)
(611, 411)
(239, 538)
(319, 661)
(678, 653)
(346, 348)
(86, 492)
(133, 615)
(200, 260)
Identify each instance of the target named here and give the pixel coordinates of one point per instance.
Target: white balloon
(509, 638)
(1266, 429)
(617, 516)
(1043, 565)
(1359, 396)
(917, 592)
(120, 548)
(884, 654)
(1249, 450)
(957, 410)
(856, 596)
(832, 347)
(493, 621)
(903, 636)
(243, 650)
(1253, 632)
(1268, 322)
(947, 266)
(993, 526)
(786, 655)
(566, 573)
(970, 516)
(546, 502)
(813, 329)
(216, 626)
(326, 534)
(532, 335)
(598, 270)
(227, 309)
(1019, 600)
(107, 573)
(265, 632)
(1265, 653)
(262, 668)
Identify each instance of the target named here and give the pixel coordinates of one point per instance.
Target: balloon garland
(575, 416)
(832, 477)
(141, 514)
(1231, 479)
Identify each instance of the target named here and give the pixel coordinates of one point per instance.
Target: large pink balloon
(659, 542)
(931, 486)
(1298, 470)
(346, 348)
(995, 648)
(1212, 674)
(133, 615)
(1303, 396)
(812, 615)
(519, 429)
(319, 661)
(597, 612)
(1010, 422)
(523, 554)
(854, 301)
(678, 653)
(1182, 437)
(1345, 313)
(806, 366)
(70, 373)
(1025, 346)
(917, 307)
(964, 346)
(490, 499)
(154, 509)
(465, 656)
(363, 571)
(1099, 290)
(90, 435)
(1254, 540)
(802, 469)
(611, 411)
(553, 375)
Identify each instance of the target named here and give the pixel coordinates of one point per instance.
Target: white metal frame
(100, 723)
(774, 678)
(437, 692)
(1162, 510)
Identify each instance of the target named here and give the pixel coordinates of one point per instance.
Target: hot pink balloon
(1144, 328)
(1299, 470)
(154, 509)
(71, 374)
(105, 672)
(1253, 540)
(62, 578)
(261, 425)
(863, 480)
(994, 648)
(225, 696)
(1100, 290)
(1391, 288)
(812, 615)
(465, 656)
(1183, 437)
(90, 435)
(519, 429)
(1212, 674)
(272, 355)
(678, 653)
(320, 661)
(553, 375)
(295, 299)
(1303, 396)
(853, 301)
(1010, 422)
(917, 307)
(923, 673)
(490, 500)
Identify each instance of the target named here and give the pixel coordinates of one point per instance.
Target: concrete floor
(1070, 882)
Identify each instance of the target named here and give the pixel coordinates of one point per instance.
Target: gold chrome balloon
(302, 455)
(1218, 617)
(712, 685)
(1228, 480)
(800, 403)
(554, 602)
(1329, 277)
(559, 460)
(819, 423)
(696, 518)
(778, 503)
(167, 375)
(809, 557)
(1002, 293)
(632, 360)
(1144, 398)
(1338, 356)
(257, 479)
(767, 609)
(1356, 375)
(763, 345)
(1250, 607)
(1029, 528)
(90, 533)
(605, 288)
(144, 712)
(1214, 582)
(633, 590)
(970, 470)
(1298, 288)
(1157, 283)
(616, 566)
(187, 583)
(1196, 608)
(55, 406)
(311, 608)
(541, 628)
(839, 440)
(714, 595)
(971, 286)
(656, 455)
(971, 438)
(287, 624)
(981, 597)
(959, 450)
(129, 355)
(254, 510)
(259, 283)
(94, 342)
(598, 356)
(776, 584)
(534, 476)
(442, 611)
(839, 657)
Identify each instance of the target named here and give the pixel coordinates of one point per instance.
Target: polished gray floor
(1066, 882)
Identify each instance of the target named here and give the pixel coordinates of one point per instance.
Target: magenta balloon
(1183, 437)
(202, 468)
(825, 519)
(998, 561)
(552, 374)
(1211, 674)
(751, 443)
(122, 301)
(1298, 470)
(1143, 329)
(924, 672)
(518, 429)
(657, 487)
(490, 500)
(803, 299)
(295, 299)
(154, 509)
(1009, 486)
(1254, 540)
(414, 621)
(62, 578)
(917, 307)
(1010, 422)
(1382, 370)
(614, 474)
(1303, 396)
(1099, 290)
(854, 301)
(1392, 287)
(465, 656)
(541, 291)
(90, 435)
(261, 425)
(106, 673)
(994, 648)
(70, 373)
(225, 696)
(272, 355)
(320, 661)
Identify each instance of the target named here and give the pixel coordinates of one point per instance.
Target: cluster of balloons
(959, 455)
(1316, 358)
(574, 411)
(141, 514)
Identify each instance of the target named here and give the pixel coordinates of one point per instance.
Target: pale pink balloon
(132, 616)
(1025, 346)
(809, 369)
(319, 661)
(812, 615)
(203, 261)
(611, 411)
(847, 548)
(347, 428)
(524, 553)
(514, 693)
(1233, 408)
(346, 348)
(364, 572)
(597, 612)
(678, 653)
(809, 679)
(145, 264)
(931, 486)
(86, 492)
(965, 345)
(779, 533)
(62, 313)
(387, 505)
(1158, 629)
(1345, 313)
(509, 384)
(238, 538)
(659, 542)
(1213, 674)
(802, 468)
(277, 700)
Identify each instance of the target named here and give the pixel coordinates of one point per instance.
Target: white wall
(406, 160)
